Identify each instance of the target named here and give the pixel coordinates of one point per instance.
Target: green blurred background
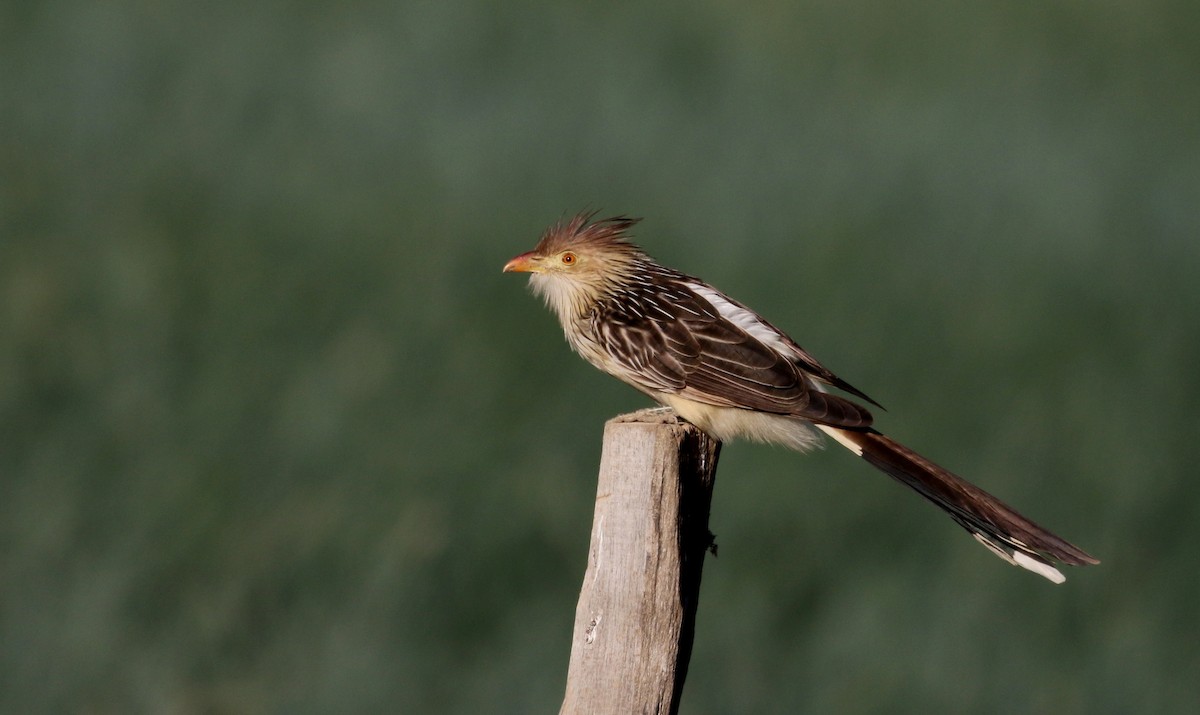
(279, 437)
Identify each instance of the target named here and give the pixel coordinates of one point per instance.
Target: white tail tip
(1025, 561)
(1038, 567)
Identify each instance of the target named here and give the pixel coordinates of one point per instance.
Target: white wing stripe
(742, 318)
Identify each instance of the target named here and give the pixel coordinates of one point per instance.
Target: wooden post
(637, 610)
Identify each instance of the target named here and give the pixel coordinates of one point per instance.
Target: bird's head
(575, 262)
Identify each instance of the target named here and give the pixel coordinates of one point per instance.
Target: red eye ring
(568, 258)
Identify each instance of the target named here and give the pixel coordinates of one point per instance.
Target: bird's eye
(568, 259)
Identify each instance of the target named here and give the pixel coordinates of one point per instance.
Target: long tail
(997, 526)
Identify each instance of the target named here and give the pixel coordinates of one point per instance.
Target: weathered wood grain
(635, 619)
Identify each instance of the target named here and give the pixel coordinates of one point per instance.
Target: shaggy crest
(582, 232)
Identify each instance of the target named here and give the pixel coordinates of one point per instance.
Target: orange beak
(524, 263)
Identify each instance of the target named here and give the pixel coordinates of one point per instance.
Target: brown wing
(668, 339)
(806, 361)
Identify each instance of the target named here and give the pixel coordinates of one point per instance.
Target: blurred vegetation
(277, 435)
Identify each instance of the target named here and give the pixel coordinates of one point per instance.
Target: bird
(722, 367)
